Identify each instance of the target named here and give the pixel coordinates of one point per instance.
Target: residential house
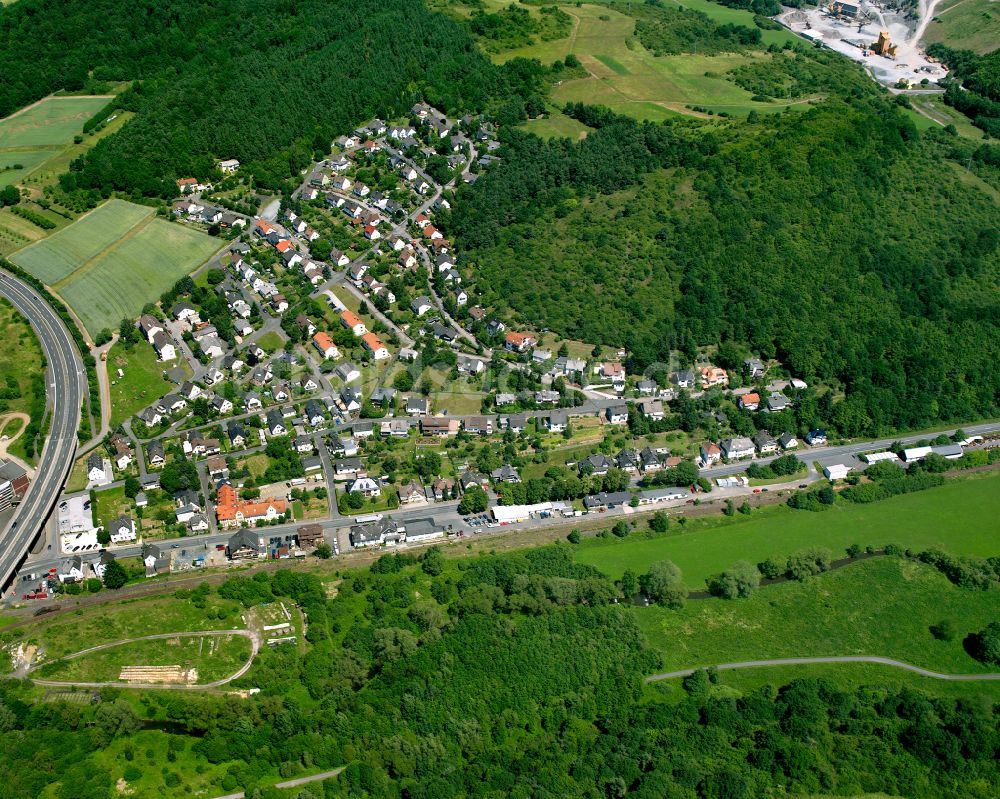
(478, 425)
(164, 346)
(122, 530)
(411, 493)
(627, 460)
(365, 486)
(735, 449)
(519, 342)
(351, 399)
(683, 378)
(605, 500)
(325, 346)
(245, 545)
(308, 383)
(750, 401)
(652, 409)
(154, 454)
(816, 438)
(471, 365)
(374, 345)
(618, 414)
(347, 372)
(442, 489)
(777, 402)
(787, 441)
(754, 368)
(710, 453)
(347, 467)
(150, 326)
(418, 406)
(276, 423)
(237, 435)
(95, 469)
(555, 422)
(353, 322)
(765, 443)
(156, 560)
(421, 305)
(377, 533)
(515, 422)
(713, 376)
(597, 465)
(230, 511)
(649, 460)
(505, 474)
(441, 426)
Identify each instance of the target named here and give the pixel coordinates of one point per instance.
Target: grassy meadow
(109, 263)
(627, 78)
(143, 380)
(213, 657)
(965, 24)
(50, 123)
(955, 517)
(111, 622)
(881, 606)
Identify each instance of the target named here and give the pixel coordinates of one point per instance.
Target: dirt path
(6, 419)
(325, 775)
(881, 661)
(254, 649)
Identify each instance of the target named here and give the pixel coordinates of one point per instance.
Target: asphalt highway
(64, 389)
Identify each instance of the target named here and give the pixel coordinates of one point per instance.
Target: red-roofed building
(230, 511)
(375, 346)
(353, 322)
(519, 342)
(750, 402)
(187, 185)
(284, 246)
(325, 345)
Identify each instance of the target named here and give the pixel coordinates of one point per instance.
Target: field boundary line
(90, 263)
(876, 659)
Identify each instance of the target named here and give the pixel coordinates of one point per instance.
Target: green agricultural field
(213, 657)
(31, 137)
(142, 383)
(111, 262)
(950, 517)
(628, 79)
(130, 619)
(939, 114)
(966, 24)
(53, 121)
(882, 606)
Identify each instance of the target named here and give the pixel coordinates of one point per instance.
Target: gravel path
(898, 664)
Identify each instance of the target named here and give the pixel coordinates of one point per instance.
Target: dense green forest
(979, 76)
(509, 675)
(799, 72)
(269, 83)
(802, 236)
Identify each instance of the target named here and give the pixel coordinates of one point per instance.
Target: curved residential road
(896, 664)
(64, 390)
(254, 650)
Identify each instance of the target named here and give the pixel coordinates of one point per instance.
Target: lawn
(965, 24)
(111, 503)
(112, 261)
(15, 164)
(20, 360)
(882, 606)
(214, 658)
(950, 517)
(142, 381)
(271, 342)
(129, 619)
(557, 124)
(629, 79)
